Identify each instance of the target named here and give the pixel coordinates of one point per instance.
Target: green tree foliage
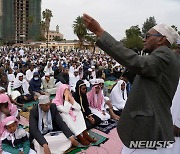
(47, 14)
(148, 24)
(80, 29)
(133, 38)
(57, 38)
(133, 31)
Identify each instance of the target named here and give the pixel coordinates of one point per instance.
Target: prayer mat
(100, 139)
(32, 103)
(26, 114)
(107, 125)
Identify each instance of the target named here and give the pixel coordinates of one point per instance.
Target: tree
(41, 37)
(57, 38)
(91, 38)
(133, 39)
(133, 31)
(134, 42)
(80, 29)
(148, 24)
(47, 14)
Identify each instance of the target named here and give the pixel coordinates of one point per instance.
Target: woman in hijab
(71, 114)
(80, 97)
(97, 102)
(22, 86)
(118, 97)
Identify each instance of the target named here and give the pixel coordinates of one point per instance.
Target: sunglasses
(149, 35)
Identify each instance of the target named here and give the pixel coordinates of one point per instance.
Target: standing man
(146, 117)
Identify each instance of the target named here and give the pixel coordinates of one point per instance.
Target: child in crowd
(14, 139)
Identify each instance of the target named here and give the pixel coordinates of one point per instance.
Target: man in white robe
(73, 79)
(49, 84)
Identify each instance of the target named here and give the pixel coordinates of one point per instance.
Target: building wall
(14, 23)
(21, 20)
(35, 13)
(8, 27)
(53, 34)
(1, 21)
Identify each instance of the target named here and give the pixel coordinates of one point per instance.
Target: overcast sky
(115, 16)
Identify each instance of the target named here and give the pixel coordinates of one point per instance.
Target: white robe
(57, 144)
(175, 110)
(99, 112)
(29, 74)
(73, 80)
(50, 86)
(116, 96)
(77, 126)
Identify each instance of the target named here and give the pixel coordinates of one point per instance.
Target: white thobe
(175, 110)
(29, 74)
(76, 126)
(99, 113)
(72, 81)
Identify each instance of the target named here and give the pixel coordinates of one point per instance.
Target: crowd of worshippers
(81, 100)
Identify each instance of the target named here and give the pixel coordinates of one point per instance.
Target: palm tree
(80, 29)
(91, 38)
(43, 30)
(47, 14)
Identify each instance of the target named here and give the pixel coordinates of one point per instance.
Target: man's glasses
(149, 35)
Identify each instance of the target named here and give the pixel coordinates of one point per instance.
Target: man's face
(45, 107)
(178, 48)
(47, 78)
(123, 86)
(151, 40)
(83, 89)
(97, 89)
(20, 78)
(76, 73)
(12, 127)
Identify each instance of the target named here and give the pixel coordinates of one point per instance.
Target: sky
(115, 16)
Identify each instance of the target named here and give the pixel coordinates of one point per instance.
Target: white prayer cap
(15, 94)
(94, 81)
(169, 32)
(10, 122)
(100, 80)
(89, 69)
(178, 41)
(47, 74)
(2, 89)
(44, 99)
(76, 70)
(92, 67)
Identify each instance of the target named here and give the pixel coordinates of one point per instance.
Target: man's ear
(161, 40)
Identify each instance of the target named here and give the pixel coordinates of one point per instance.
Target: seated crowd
(81, 100)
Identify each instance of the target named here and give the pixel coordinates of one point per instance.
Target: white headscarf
(23, 83)
(116, 95)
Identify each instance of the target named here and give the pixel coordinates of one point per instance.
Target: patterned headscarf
(58, 100)
(91, 98)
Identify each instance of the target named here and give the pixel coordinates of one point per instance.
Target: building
(65, 45)
(19, 20)
(53, 34)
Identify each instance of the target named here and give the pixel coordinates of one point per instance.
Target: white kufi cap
(169, 32)
(44, 99)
